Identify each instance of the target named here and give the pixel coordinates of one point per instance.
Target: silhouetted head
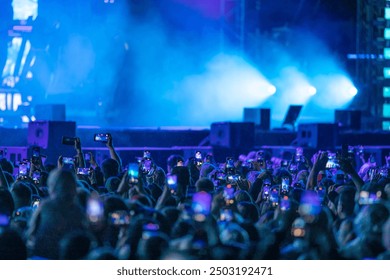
(62, 184)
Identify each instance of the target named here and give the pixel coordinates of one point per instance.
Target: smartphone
(229, 162)
(285, 184)
(266, 192)
(298, 154)
(198, 155)
(101, 137)
(149, 230)
(260, 155)
(232, 179)
(332, 162)
(87, 157)
(366, 198)
(151, 227)
(95, 209)
(201, 205)
(36, 152)
(132, 172)
(384, 172)
(221, 175)
(36, 176)
(274, 197)
(67, 140)
(226, 215)
(172, 183)
(180, 163)
(68, 160)
(285, 204)
(119, 218)
(284, 163)
(83, 170)
(24, 168)
(228, 194)
(198, 158)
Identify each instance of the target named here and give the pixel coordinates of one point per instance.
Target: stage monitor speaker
(233, 135)
(48, 136)
(348, 119)
(50, 112)
(260, 116)
(318, 135)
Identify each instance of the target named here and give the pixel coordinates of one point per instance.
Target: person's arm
(163, 198)
(36, 164)
(319, 164)
(80, 155)
(3, 181)
(92, 161)
(347, 167)
(113, 153)
(124, 186)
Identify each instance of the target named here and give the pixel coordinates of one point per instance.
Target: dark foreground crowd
(334, 205)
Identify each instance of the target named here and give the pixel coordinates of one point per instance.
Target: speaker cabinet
(48, 136)
(261, 117)
(348, 119)
(318, 135)
(232, 135)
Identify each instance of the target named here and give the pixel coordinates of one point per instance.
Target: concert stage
(225, 139)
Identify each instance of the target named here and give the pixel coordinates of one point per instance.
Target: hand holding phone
(83, 171)
(68, 160)
(201, 205)
(24, 168)
(67, 140)
(172, 183)
(95, 209)
(133, 172)
(119, 218)
(299, 154)
(101, 137)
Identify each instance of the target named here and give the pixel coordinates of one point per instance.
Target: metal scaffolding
(369, 60)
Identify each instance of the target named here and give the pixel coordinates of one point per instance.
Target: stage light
(271, 90)
(25, 119)
(337, 91)
(386, 53)
(386, 72)
(387, 13)
(352, 91)
(386, 33)
(386, 92)
(311, 90)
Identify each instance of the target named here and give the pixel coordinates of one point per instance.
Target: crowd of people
(333, 205)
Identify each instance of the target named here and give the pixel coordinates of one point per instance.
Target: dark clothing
(53, 221)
